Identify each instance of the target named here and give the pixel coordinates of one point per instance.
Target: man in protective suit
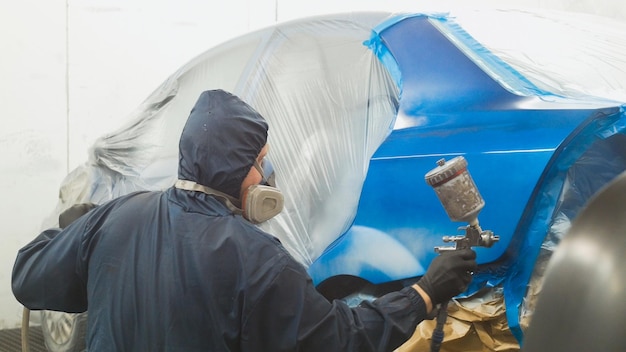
(186, 269)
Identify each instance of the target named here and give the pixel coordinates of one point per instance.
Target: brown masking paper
(476, 324)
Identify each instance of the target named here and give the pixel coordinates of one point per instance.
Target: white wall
(72, 70)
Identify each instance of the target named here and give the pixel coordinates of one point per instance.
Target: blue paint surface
(517, 147)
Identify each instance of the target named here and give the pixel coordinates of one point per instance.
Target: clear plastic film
(329, 103)
(324, 126)
(566, 54)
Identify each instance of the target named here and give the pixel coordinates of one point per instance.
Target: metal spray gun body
(459, 196)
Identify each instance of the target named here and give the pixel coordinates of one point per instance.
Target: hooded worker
(187, 269)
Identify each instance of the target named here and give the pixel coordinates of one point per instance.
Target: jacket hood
(220, 141)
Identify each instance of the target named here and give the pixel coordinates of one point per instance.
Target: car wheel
(64, 332)
(352, 290)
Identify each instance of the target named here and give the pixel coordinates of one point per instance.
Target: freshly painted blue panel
(518, 148)
(449, 107)
(436, 75)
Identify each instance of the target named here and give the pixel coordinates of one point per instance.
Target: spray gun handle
(460, 242)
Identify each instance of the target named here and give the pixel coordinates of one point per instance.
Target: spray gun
(462, 202)
(460, 198)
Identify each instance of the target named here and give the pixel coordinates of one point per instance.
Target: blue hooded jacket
(178, 271)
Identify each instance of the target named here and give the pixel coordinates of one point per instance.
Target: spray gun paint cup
(456, 190)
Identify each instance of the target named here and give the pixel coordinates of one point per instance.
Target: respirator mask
(263, 201)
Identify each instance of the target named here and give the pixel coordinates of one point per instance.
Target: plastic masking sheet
(328, 101)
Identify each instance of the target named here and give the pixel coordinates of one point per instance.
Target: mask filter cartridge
(262, 203)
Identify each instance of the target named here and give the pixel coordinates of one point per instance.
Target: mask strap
(259, 168)
(266, 171)
(195, 187)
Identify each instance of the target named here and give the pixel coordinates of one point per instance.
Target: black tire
(352, 290)
(64, 332)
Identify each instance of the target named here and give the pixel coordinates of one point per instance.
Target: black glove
(74, 212)
(448, 275)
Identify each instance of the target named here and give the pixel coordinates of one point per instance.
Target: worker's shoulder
(129, 199)
(253, 233)
(265, 254)
(256, 239)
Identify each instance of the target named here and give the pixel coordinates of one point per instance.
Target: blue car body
(517, 147)
(436, 93)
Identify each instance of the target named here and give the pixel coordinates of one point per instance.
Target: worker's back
(168, 271)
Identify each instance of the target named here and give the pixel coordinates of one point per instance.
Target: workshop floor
(11, 340)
